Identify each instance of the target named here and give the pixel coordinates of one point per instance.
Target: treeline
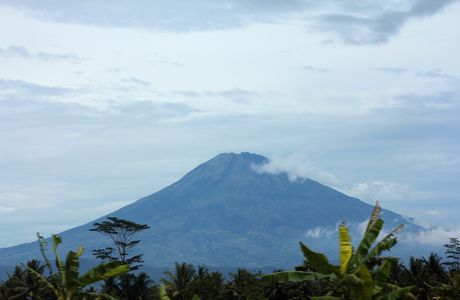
(363, 273)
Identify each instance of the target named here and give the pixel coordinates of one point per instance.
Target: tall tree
(122, 233)
(453, 254)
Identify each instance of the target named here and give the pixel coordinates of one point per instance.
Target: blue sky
(101, 104)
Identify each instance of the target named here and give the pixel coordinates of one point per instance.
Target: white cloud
(379, 190)
(320, 232)
(435, 236)
(297, 167)
(355, 229)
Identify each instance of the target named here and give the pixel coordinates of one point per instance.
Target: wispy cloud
(297, 167)
(167, 62)
(436, 73)
(435, 236)
(443, 100)
(374, 22)
(379, 189)
(23, 90)
(313, 69)
(22, 52)
(354, 22)
(235, 94)
(136, 81)
(394, 71)
(17, 95)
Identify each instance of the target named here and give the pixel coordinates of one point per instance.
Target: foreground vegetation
(362, 274)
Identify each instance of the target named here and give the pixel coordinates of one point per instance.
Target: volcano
(227, 213)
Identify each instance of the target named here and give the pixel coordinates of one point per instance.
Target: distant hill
(225, 214)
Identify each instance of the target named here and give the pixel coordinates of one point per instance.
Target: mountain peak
(226, 163)
(243, 157)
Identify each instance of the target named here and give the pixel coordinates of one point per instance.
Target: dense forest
(362, 273)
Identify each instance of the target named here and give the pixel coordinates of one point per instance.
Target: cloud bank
(353, 22)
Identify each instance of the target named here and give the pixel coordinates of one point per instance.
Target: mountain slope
(224, 213)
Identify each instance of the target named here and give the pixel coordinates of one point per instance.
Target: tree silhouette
(453, 254)
(122, 233)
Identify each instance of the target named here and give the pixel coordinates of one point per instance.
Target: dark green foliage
(63, 282)
(453, 254)
(179, 284)
(122, 233)
(136, 287)
(207, 285)
(245, 285)
(23, 284)
(425, 274)
(435, 268)
(423, 279)
(451, 289)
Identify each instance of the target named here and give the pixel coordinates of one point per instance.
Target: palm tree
(449, 290)
(426, 274)
(111, 287)
(207, 285)
(245, 285)
(23, 284)
(141, 287)
(178, 284)
(419, 277)
(435, 268)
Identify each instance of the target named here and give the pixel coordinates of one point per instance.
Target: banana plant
(66, 283)
(352, 278)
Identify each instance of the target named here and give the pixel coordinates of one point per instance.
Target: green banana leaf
(296, 276)
(43, 279)
(319, 261)
(72, 266)
(383, 272)
(386, 244)
(101, 272)
(370, 236)
(366, 289)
